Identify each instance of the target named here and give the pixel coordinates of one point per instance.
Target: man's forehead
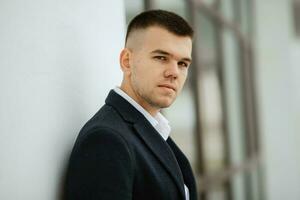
(150, 32)
(154, 38)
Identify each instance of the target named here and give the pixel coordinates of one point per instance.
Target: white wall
(278, 75)
(58, 60)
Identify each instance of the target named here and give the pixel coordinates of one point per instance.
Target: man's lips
(168, 86)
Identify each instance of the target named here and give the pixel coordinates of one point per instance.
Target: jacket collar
(150, 136)
(128, 112)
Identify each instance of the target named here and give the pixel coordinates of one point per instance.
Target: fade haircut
(162, 18)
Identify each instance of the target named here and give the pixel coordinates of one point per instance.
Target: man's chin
(165, 103)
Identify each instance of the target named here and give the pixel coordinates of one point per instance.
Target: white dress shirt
(159, 122)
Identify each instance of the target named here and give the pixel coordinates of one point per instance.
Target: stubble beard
(149, 96)
(150, 99)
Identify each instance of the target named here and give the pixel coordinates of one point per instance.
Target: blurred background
(237, 119)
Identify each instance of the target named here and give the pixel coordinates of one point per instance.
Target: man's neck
(128, 90)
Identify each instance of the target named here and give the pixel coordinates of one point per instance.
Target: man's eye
(160, 58)
(183, 64)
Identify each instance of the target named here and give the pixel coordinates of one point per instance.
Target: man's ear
(124, 60)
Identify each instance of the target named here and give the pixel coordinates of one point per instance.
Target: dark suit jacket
(118, 155)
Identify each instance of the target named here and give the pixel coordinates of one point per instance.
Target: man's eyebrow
(159, 51)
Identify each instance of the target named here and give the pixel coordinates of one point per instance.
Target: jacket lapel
(150, 136)
(186, 169)
(162, 151)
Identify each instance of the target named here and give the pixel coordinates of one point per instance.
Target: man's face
(158, 67)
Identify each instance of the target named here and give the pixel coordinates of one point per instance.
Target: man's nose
(172, 69)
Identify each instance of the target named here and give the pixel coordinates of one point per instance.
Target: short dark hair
(162, 18)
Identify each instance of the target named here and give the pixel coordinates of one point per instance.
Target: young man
(124, 152)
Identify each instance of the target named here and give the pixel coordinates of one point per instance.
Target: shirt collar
(159, 122)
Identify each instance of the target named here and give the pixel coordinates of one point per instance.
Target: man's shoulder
(101, 140)
(107, 119)
(106, 115)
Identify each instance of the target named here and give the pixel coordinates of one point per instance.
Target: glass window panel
(236, 131)
(228, 9)
(218, 193)
(210, 96)
(239, 13)
(210, 100)
(245, 17)
(213, 141)
(206, 38)
(254, 180)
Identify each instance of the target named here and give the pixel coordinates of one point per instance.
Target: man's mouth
(167, 86)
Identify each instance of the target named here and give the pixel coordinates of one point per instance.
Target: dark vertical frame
(257, 147)
(221, 75)
(245, 98)
(149, 4)
(296, 16)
